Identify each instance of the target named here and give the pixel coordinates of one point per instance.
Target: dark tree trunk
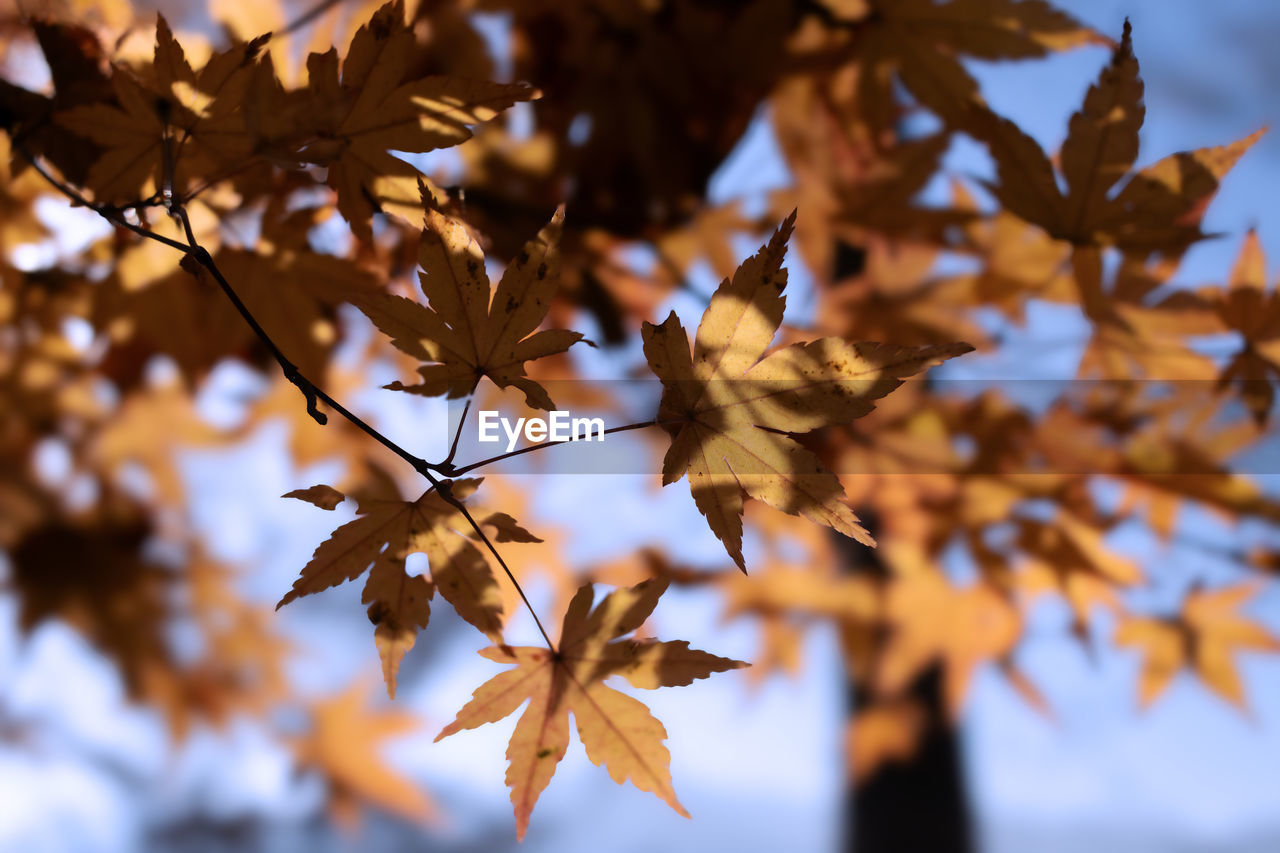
(918, 806)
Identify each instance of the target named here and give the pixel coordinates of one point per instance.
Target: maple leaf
(356, 121)
(730, 408)
(1252, 309)
(801, 584)
(1074, 553)
(169, 117)
(1172, 460)
(150, 428)
(882, 733)
(923, 40)
(291, 291)
(895, 298)
(74, 56)
(343, 744)
(616, 730)
(1157, 208)
(1204, 638)
(882, 199)
(961, 628)
(384, 534)
(92, 574)
(1020, 261)
(465, 334)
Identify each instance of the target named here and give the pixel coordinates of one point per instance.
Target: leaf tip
(325, 497)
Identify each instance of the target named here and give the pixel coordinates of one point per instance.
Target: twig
(309, 389)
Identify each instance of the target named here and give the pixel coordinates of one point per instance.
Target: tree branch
(196, 256)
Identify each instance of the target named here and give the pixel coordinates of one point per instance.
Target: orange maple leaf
(1203, 638)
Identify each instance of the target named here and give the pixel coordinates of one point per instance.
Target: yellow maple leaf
(1252, 309)
(934, 621)
(730, 408)
(887, 731)
(616, 730)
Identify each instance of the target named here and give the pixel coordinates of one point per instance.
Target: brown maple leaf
(616, 730)
(292, 292)
(922, 42)
(465, 334)
(167, 120)
(960, 627)
(730, 408)
(352, 123)
(389, 530)
(75, 59)
(91, 573)
(1252, 309)
(1157, 209)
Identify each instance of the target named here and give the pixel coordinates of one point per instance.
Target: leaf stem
(445, 488)
(474, 465)
(446, 467)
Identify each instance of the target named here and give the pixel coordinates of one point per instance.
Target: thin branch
(107, 212)
(309, 389)
(474, 465)
(309, 16)
(313, 392)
